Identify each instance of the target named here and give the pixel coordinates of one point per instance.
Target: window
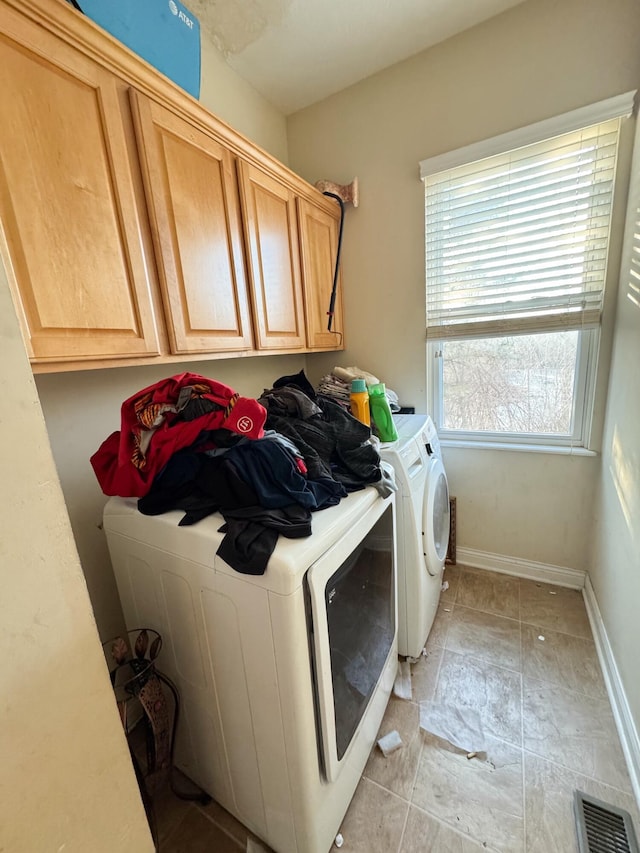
(517, 238)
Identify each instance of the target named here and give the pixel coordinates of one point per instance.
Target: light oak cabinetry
(319, 246)
(71, 223)
(135, 226)
(271, 230)
(191, 190)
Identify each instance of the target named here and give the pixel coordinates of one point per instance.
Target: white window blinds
(518, 242)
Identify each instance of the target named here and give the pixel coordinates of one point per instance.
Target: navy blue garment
(270, 469)
(198, 484)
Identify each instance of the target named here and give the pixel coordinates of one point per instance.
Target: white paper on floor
(402, 685)
(389, 743)
(462, 727)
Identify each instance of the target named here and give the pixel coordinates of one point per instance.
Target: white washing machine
(422, 524)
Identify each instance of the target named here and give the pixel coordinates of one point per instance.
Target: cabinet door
(69, 215)
(318, 247)
(271, 233)
(192, 194)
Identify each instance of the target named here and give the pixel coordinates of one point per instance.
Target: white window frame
(589, 338)
(583, 404)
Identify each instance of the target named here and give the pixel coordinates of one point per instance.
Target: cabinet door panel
(318, 247)
(272, 239)
(68, 208)
(193, 200)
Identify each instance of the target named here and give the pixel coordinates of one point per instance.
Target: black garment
(252, 534)
(298, 380)
(334, 444)
(291, 403)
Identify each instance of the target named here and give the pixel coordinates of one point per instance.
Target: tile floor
(516, 660)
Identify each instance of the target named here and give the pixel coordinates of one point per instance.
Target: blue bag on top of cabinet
(164, 32)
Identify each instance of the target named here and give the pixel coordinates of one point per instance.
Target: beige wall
(232, 99)
(535, 506)
(540, 59)
(614, 564)
(65, 774)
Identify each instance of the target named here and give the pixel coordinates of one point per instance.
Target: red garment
(152, 430)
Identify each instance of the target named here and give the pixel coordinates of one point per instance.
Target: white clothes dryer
(284, 677)
(422, 525)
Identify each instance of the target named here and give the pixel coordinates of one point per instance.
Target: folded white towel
(347, 374)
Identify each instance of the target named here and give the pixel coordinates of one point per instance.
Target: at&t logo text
(180, 15)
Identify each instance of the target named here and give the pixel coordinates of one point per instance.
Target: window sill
(557, 449)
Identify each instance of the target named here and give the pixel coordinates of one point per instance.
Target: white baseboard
(622, 713)
(543, 572)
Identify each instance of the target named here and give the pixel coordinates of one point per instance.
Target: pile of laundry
(194, 444)
(336, 386)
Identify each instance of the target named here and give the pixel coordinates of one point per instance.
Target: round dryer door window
(441, 519)
(435, 521)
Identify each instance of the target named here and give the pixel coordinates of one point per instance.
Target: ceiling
(296, 52)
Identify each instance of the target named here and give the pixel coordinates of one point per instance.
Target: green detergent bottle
(381, 413)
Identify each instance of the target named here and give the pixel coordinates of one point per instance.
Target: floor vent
(603, 828)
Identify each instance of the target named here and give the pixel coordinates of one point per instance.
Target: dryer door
(435, 517)
(353, 609)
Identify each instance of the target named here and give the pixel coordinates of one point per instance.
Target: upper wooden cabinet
(271, 233)
(191, 189)
(134, 225)
(68, 209)
(319, 245)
